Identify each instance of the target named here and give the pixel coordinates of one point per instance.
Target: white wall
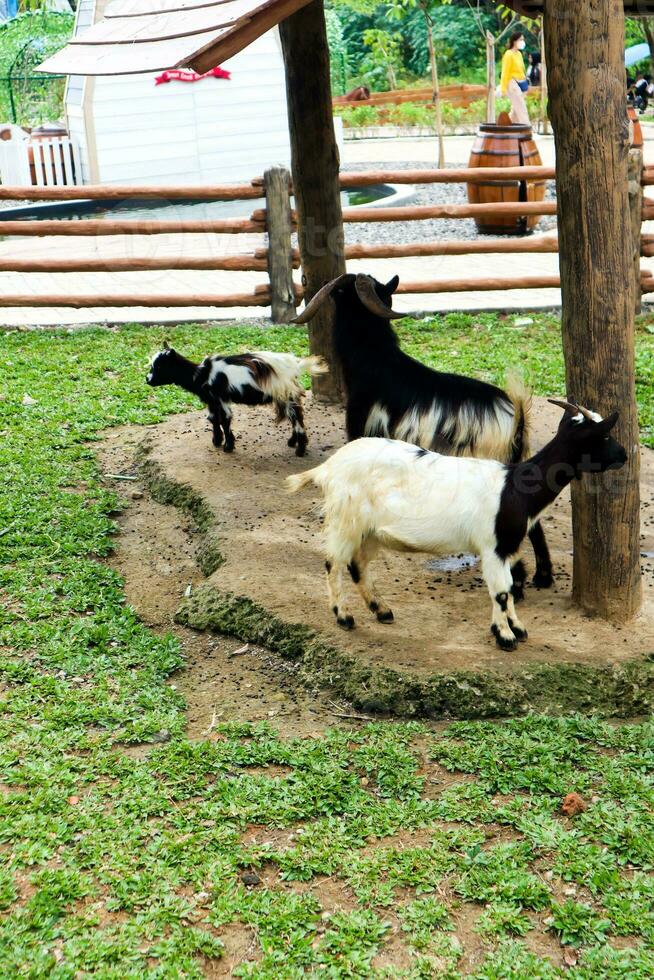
(212, 131)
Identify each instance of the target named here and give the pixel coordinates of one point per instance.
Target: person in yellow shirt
(514, 82)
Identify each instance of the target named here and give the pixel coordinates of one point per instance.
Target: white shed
(132, 131)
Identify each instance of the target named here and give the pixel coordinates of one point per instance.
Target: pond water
(132, 209)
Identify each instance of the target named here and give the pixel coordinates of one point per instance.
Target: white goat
(383, 493)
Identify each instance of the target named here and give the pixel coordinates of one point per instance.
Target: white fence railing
(43, 162)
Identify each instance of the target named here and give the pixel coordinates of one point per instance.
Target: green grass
(123, 866)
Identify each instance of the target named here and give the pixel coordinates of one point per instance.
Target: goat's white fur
(282, 384)
(386, 493)
(491, 439)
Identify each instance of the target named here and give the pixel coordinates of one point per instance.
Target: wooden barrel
(635, 129)
(505, 146)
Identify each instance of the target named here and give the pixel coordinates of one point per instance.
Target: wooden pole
(636, 212)
(119, 192)
(490, 77)
(315, 166)
(93, 227)
(585, 45)
(280, 254)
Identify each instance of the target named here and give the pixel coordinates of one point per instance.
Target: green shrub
(361, 115)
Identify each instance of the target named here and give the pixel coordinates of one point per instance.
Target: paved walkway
(381, 151)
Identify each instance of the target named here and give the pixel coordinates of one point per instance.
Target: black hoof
(543, 580)
(228, 447)
(518, 591)
(217, 443)
(300, 450)
(293, 440)
(519, 634)
(345, 622)
(503, 643)
(386, 616)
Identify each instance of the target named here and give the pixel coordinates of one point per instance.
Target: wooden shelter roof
(153, 35)
(534, 8)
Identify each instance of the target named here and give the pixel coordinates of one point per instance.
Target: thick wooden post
(585, 42)
(315, 165)
(636, 214)
(280, 256)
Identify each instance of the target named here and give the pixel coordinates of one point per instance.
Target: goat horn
(366, 292)
(319, 298)
(166, 345)
(566, 406)
(586, 414)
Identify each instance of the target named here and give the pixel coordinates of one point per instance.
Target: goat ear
(392, 285)
(608, 423)
(166, 345)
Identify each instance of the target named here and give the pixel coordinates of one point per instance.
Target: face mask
(522, 45)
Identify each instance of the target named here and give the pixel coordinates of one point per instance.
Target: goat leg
(543, 579)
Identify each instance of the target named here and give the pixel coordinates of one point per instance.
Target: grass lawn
(445, 846)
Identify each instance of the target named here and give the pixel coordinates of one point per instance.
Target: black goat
(392, 395)
(257, 378)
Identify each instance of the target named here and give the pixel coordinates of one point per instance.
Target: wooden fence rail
(279, 258)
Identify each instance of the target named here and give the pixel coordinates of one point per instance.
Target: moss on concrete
(181, 495)
(620, 691)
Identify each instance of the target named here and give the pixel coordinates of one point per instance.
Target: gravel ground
(403, 232)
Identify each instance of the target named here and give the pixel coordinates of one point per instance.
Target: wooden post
(490, 77)
(280, 254)
(585, 42)
(315, 166)
(636, 212)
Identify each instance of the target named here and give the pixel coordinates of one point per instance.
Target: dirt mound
(261, 550)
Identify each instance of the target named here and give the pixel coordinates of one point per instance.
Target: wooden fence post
(280, 258)
(636, 208)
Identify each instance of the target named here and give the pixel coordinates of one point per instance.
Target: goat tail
(520, 395)
(298, 481)
(313, 365)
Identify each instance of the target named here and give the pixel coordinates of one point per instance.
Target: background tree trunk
(490, 78)
(315, 166)
(584, 44)
(436, 91)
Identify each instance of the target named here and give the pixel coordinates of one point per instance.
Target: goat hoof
(300, 450)
(543, 580)
(519, 634)
(217, 442)
(385, 616)
(503, 642)
(292, 441)
(345, 622)
(228, 447)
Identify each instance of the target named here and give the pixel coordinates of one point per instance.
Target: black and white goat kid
(382, 493)
(255, 378)
(390, 394)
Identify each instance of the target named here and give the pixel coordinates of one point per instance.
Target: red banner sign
(186, 75)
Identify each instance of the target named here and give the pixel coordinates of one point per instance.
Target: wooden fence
(277, 220)
(457, 95)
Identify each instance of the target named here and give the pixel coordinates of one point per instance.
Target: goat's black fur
(218, 386)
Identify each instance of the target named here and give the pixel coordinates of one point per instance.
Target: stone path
(384, 151)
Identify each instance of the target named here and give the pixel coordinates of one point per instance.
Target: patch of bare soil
(155, 552)
(271, 544)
